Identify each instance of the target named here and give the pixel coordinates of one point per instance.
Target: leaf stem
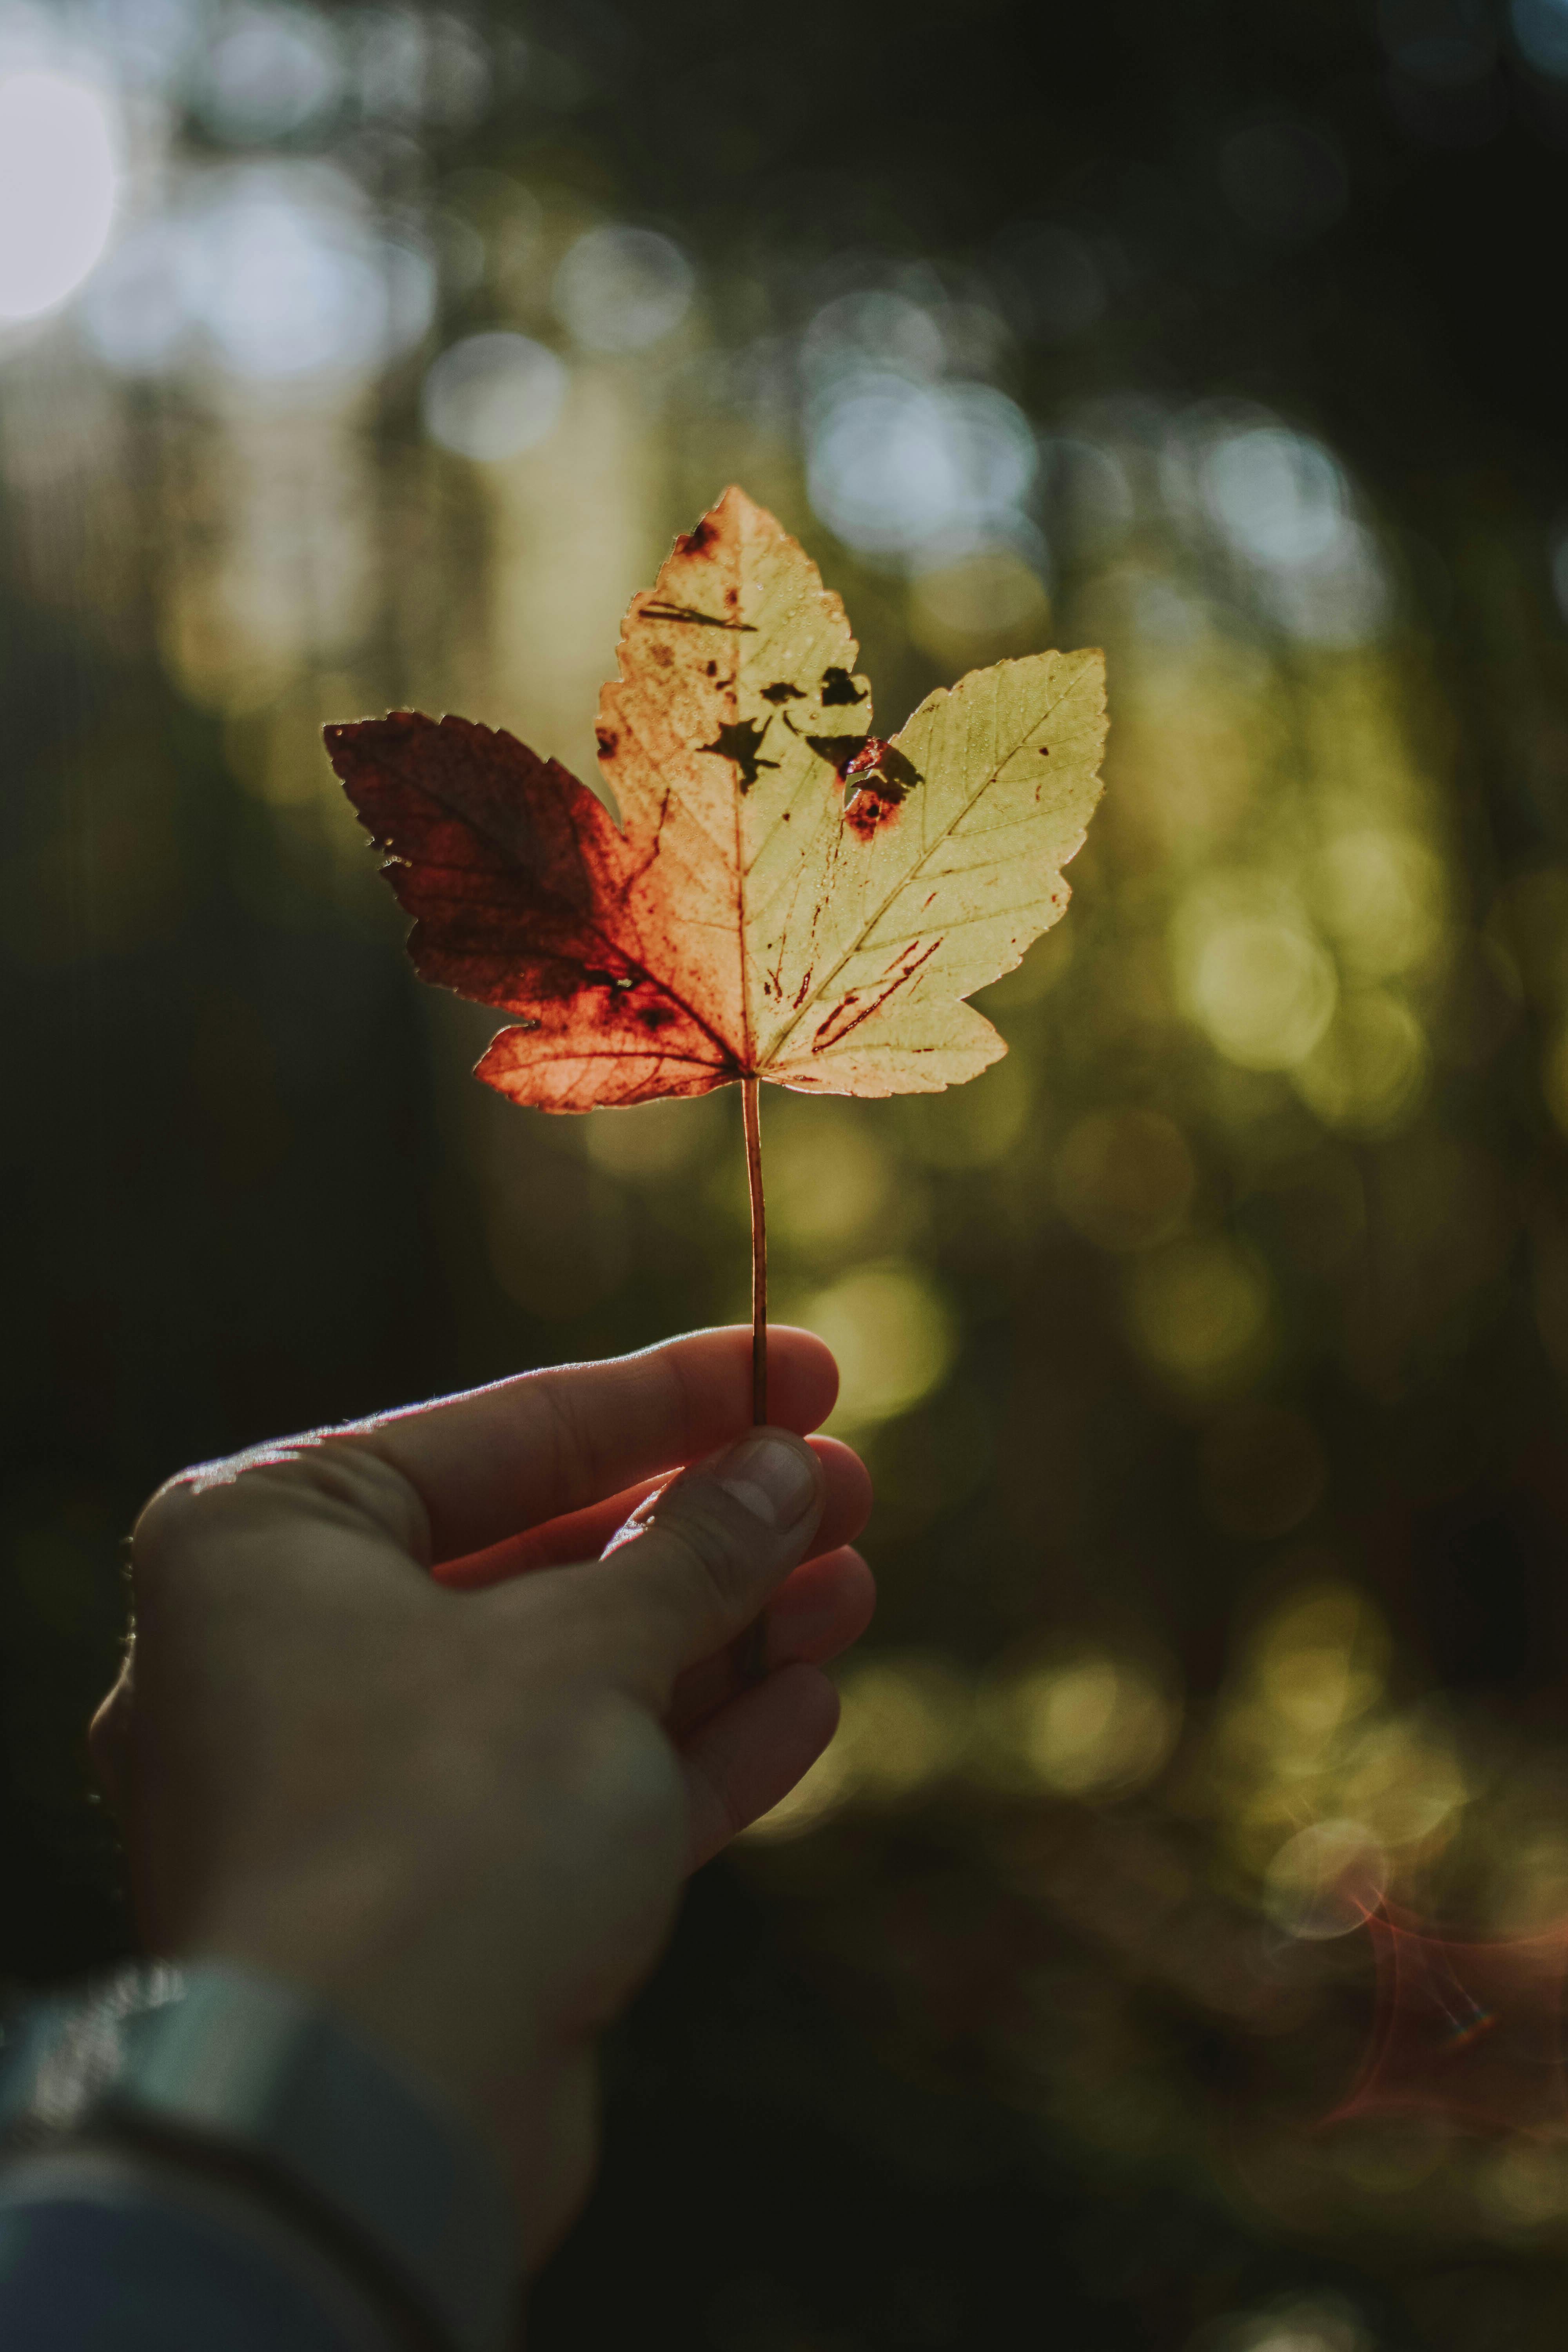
(748, 1651)
(759, 1252)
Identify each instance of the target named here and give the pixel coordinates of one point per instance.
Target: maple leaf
(787, 896)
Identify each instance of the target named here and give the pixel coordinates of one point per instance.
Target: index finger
(496, 1460)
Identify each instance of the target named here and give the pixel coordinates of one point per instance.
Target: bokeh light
(1262, 987)
(623, 289)
(1441, 44)
(1366, 1072)
(1328, 1880)
(892, 1334)
(1093, 1726)
(905, 1725)
(60, 187)
(1278, 497)
(1125, 1179)
(1381, 896)
(899, 467)
(1315, 2323)
(1200, 1311)
(272, 272)
(492, 396)
(271, 71)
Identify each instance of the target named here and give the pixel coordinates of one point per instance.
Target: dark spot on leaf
(879, 779)
(607, 741)
(741, 740)
(656, 1016)
(1045, 750)
(700, 535)
(655, 610)
(869, 812)
(712, 670)
(837, 686)
(783, 692)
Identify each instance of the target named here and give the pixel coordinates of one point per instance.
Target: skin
(433, 1714)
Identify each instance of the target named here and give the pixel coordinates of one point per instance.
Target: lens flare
(1470, 2031)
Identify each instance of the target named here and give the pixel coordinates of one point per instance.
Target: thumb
(695, 1562)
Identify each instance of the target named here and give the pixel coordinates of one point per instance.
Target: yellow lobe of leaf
(827, 901)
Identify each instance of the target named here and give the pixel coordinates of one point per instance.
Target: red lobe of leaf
(521, 889)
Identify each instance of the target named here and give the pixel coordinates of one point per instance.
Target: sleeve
(108, 2250)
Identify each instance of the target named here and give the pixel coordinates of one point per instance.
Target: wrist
(467, 2037)
(448, 1957)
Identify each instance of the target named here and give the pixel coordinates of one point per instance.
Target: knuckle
(332, 1479)
(571, 1437)
(350, 1481)
(163, 1516)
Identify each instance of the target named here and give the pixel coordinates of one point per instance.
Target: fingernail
(773, 1479)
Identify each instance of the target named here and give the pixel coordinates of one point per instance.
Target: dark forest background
(1208, 1353)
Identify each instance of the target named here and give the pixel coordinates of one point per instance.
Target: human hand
(394, 1729)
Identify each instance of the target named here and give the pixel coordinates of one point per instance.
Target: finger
(547, 1445)
(815, 1615)
(702, 1559)
(583, 1535)
(744, 1758)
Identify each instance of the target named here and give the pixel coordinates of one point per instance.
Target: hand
(394, 1729)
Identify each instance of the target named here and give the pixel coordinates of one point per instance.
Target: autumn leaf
(782, 894)
(787, 896)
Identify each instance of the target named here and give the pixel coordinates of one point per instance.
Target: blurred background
(1208, 1351)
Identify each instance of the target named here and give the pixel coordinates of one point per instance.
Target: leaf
(787, 896)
